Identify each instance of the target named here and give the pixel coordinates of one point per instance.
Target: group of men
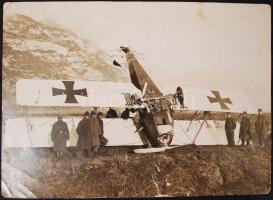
(89, 130)
(245, 132)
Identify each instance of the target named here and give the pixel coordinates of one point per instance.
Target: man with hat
(83, 130)
(260, 126)
(244, 133)
(59, 136)
(230, 126)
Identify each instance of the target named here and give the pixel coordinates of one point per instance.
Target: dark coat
(83, 130)
(245, 128)
(260, 124)
(101, 125)
(103, 140)
(125, 114)
(95, 131)
(111, 113)
(230, 124)
(59, 135)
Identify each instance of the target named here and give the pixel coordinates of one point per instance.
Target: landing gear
(164, 139)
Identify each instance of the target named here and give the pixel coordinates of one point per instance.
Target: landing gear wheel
(164, 139)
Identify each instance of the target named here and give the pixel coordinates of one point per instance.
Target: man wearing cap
(95, 131)
(83, 130)
(244, 133)
(260, 126)
(59, 136)
(230, 126)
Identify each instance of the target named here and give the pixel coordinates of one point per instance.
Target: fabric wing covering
(36, 132)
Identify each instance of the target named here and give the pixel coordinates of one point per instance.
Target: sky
(204, 45)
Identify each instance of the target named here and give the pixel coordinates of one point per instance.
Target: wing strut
(28, 126)
(206, 114)
(192, 120)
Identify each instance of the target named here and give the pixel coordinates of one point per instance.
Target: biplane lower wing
(72, 93)
(39, 131)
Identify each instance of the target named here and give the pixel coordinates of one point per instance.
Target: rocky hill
(36, 50)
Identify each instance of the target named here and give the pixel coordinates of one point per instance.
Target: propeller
(180, 96)
(179, 90)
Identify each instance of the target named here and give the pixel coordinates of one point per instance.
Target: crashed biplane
(151, 111)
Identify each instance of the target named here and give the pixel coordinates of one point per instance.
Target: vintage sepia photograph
(135, 99)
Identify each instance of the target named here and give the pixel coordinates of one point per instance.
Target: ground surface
(118, 172)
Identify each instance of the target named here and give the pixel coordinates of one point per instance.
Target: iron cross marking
(220, 100)
(69, 91)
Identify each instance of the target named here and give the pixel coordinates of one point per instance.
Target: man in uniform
(244, 133)
(230, 126)
(103, 140)
(95, 131)
(59, 136)
(260, 127)
(83, 130)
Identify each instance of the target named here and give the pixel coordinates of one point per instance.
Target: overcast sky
(204, 45)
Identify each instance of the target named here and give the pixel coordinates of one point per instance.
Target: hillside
(117, 172)
(36, 50)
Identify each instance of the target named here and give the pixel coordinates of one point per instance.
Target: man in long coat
(230, 126)
(59, 136)
(260, 127)
(244, 133)
(95, 131)
(103, 140)
(83, 130)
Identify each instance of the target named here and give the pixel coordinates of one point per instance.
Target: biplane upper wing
(72, 93)
(139, 76)
(216, 101)
(111, 94)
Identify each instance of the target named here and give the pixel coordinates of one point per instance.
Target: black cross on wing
(69, 91)
(220, 100)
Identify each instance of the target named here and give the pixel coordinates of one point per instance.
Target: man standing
(95, 131)
(260, 127)
(83, 131)
(103, 140)
(244, 133)
(230, 126)
(59, 136)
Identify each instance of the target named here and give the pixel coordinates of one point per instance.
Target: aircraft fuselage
(155, 116)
